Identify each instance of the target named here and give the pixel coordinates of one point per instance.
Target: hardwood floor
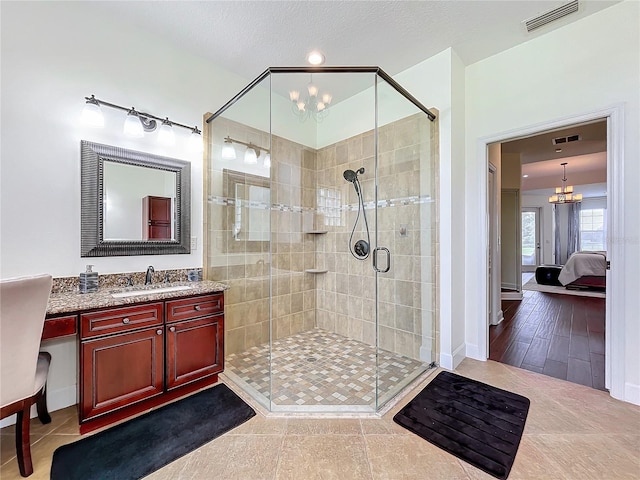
(557, 335)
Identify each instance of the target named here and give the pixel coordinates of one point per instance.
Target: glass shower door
(404, 249)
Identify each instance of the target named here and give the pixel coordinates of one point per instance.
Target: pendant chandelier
(311, 105)
(564, 194)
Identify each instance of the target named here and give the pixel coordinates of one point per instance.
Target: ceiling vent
(551, 15)
(567, 139)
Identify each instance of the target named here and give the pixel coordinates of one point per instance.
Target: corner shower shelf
(315, 270)
(316, 232)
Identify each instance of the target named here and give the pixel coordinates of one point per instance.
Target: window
(592, 229)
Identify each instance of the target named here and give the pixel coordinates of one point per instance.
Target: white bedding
(582, 264)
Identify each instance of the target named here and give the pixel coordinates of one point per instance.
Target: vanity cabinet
(121, 357)
(149, 352)
(195, 333)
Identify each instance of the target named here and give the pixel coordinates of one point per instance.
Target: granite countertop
(71, 302)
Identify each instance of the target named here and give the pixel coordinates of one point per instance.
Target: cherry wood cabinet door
(194, 350)
(120, 370)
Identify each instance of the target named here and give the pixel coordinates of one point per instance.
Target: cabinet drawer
(118, 320)
(60, 327)
(194, 307)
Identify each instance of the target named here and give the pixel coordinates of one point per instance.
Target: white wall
(590, 65)
(439, 82)
(53, 55)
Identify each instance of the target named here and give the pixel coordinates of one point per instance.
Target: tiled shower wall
(245, 265)
(309, 194)
(405, 223)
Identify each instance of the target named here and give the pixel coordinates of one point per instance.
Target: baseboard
(511, 296)
(450, 362)
(472, 351)
(56, 400)
(632, 393)
(499, 318)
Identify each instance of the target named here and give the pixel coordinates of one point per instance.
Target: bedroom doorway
(554, 334)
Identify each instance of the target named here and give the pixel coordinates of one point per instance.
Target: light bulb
(294, 95)
(250, 157)
(195, 142)
(267, 161)
(132, 126)
(228, 152)
(326, 98)
(315, 58)
(92, 113)
(320, 106)
(312, 89)
(166, 136)
(301, 106)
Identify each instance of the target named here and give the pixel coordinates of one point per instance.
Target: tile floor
(572, 432)
(317, 370)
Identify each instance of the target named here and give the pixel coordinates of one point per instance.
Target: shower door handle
(375, 259)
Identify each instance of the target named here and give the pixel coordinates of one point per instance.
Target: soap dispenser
(89, 280)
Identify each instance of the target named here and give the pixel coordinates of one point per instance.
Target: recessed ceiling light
(315, 58)
(525, 176)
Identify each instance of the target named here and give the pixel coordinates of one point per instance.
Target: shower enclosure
(321, 196)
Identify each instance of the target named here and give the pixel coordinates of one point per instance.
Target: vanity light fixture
(92, 114)
(228, 152)
(195, 141)
(138, 123)
(132, 125)
(251, 154)
(165, 134)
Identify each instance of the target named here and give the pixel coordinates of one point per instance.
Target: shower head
(351, 176)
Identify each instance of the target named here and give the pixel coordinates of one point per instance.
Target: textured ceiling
(246, 37)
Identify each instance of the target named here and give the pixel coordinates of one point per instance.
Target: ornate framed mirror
(133, 203)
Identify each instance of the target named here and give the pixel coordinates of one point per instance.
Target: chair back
(23, 307)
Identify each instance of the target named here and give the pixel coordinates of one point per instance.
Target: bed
(585, 270)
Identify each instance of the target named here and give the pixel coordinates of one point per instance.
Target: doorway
(538, 344)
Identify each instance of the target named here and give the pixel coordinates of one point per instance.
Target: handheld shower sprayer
(361, 248)
(351, 176)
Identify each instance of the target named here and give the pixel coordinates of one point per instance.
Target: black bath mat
(144, 444)
(477, 423)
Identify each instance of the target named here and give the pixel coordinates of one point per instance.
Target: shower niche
(334, 308)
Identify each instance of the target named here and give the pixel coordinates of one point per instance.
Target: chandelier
(311, 105)
(564, 194)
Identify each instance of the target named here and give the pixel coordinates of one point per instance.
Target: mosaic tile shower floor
(320, 368)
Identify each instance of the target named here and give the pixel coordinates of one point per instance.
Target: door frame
(614, 323)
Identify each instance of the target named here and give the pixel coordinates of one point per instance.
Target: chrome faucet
(148, 278)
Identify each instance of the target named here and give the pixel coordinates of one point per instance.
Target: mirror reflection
(138, 203)
(248, 222)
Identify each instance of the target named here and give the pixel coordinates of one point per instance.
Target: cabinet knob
(172, 329)
(159, 331)
(125, 320)
(197, 308)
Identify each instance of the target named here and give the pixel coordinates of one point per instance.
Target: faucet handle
(128, 280)
(167, 278)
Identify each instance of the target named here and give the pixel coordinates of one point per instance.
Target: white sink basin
(150, 291)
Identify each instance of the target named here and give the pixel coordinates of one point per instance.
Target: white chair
(23, 370)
